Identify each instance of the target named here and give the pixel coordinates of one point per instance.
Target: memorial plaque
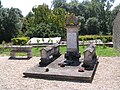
(72, 40)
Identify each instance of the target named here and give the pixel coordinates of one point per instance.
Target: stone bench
(17, 49)
(90, 57)
(49, 52)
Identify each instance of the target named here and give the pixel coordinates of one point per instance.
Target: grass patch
(36, 51)
(100, 50)
(4, 51)
(107, 52)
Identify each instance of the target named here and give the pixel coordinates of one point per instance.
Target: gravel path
(107, 76)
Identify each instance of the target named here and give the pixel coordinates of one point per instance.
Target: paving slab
(55, 72)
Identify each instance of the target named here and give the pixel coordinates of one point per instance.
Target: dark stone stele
(53, 71)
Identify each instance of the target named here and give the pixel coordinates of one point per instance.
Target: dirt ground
(107, 76)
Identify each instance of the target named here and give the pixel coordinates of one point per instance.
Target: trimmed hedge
(94, 37)
(20, 40)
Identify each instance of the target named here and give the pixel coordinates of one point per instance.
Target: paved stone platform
(54, 72)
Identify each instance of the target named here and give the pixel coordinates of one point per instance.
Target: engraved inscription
(72, 40)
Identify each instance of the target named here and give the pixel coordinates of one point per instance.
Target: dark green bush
(20, 40)
(94, 37)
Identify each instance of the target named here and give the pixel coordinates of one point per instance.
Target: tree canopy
(44, 22)
(95, 17)
(10, 23)
(89, 10)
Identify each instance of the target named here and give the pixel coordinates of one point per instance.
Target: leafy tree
(92, 25)
(59, 21)
(41, 13)
(95, 16)
(82, 21)
(10, 23)
(101, 9)
(44, 22)
(58, 3)
(115, 11)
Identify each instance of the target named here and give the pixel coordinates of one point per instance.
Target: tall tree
(92, 26)
(115, 11)
(82, 30)
(58, 3)
(10, 23)
(102, 10)
(44, 22)
(41, 13)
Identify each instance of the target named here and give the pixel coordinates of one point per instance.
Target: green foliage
(94, 16)
(44, 22)
(10, 23)
(41, 14)
(20, 40)
(105, 52)
(81, 21)
(115, 11)
(2, 47)
(104, 40)
(92, 26)
(3, 43)
(58, 3)
(99, 9)
(94, 37)
(38, 41)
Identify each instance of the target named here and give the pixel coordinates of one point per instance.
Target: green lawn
(109, 52)
(101, 51)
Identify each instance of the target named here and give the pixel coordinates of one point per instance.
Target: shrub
(92, 25)
(20, 40)
(94, 37)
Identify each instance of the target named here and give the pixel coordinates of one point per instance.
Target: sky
(26, 5)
